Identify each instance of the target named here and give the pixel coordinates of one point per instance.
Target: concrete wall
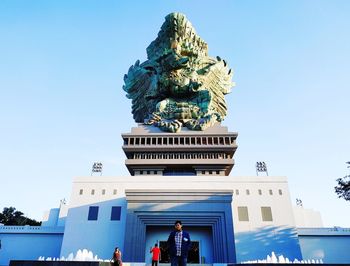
(29, 242)
(55, 216)
(274, 194)
(100, 236)
(329, 244)
(50, 217)
(256, 238)
(307, 217)
(103, 235)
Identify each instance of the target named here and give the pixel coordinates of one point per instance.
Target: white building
(179, 176)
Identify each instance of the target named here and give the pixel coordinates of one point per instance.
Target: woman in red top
(156, 255)
(117, 257)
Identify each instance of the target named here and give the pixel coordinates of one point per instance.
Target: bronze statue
(179, 85)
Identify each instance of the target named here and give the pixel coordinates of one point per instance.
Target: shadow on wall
(98, 227)
(99, 233)
(257, 244)
(329, 248)
(28, 243)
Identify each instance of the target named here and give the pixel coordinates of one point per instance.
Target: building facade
(178, 176)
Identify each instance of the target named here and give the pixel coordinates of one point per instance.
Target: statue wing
(141, 85)
(215, 76)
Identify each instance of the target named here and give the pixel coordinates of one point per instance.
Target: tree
(10, 216)
(343, 187)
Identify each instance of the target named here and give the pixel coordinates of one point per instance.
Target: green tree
(9, 216)
(343, 187)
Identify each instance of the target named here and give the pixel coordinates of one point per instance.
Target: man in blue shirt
(179, 243)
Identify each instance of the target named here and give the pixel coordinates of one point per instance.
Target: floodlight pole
(261, 167)
(97, 168)
(267, 173)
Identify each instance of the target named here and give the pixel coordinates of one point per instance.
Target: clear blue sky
(62, 105)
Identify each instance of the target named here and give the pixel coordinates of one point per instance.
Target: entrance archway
(195, 208)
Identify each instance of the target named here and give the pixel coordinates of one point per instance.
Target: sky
(62, 105)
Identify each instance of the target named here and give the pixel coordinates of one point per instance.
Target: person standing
(117, 257)
(155, 255)
(179, 243)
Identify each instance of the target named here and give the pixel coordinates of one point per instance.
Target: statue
(179, 85)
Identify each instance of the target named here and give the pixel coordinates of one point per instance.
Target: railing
(179, 141)
(31, 229)
(324, 231)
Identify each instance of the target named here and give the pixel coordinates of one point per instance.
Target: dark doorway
(163, 245)
(193, 254)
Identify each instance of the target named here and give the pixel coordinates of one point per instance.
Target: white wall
(282, 212)
(307, 217)
(103, 235)
(281, 206)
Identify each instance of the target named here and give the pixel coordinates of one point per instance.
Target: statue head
(179, 85)
(178, 35)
